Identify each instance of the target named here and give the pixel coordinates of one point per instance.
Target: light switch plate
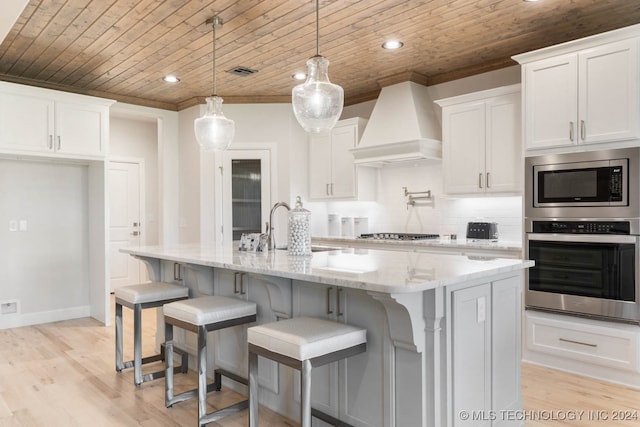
(13, 225)
(23, 225)
(481, 304)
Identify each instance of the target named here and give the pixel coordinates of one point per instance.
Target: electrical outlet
(13, 225)
(22, 226)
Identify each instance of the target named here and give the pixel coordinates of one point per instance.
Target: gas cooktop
(398, 236)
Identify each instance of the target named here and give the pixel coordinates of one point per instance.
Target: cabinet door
(463, 129)
(26, 123)
(230, 348)
(551, 106)
(361, 377)
(608, 97)
(506, 332)
(471, 354)
(319, 166)
(343, 171)
(80, 129)
(503, 156)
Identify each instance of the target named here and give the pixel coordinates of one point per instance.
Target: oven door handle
(586, 238)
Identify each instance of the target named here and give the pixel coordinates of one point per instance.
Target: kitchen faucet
(271, 241)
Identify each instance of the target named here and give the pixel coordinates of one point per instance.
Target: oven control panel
(582, 227)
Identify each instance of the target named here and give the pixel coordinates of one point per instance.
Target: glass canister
(299, 230)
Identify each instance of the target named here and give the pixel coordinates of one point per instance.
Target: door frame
(143, 276)
(211, 209)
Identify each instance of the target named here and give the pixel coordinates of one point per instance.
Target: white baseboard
(16, 320)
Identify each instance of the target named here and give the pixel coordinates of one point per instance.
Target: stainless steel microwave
(586, 184)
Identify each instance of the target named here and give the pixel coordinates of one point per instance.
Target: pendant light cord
(317, 27)
(214, 55)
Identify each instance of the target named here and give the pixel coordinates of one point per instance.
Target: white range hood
(403, 126)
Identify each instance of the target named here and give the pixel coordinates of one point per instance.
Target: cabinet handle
(329, 311)
(59, 144)
(578, 342)
(488, 180)
(571, 131)
(50, 142)
(176, 271)
(235, 282)
(583, 130)
(340, 313)
(242, 290)
(327, 190)
(332, 188)
(480, 180)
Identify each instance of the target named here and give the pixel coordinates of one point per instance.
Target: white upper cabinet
(582, 92)
(44, 122)
(332, 173)
(481, 142)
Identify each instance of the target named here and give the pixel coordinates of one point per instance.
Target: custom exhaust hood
(402, 127)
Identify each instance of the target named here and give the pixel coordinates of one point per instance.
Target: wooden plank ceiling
(121, 49)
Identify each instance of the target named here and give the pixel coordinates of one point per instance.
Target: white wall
(45, 268)
(138, 139)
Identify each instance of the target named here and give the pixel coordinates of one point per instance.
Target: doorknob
(135, 233)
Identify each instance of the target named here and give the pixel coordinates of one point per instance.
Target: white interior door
(246, 192)
(125, 222)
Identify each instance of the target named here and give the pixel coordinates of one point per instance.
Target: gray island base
(443, 331)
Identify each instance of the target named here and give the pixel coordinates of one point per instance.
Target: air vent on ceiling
(242, 71)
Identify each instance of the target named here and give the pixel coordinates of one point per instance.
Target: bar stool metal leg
(137, 344)
(202, 372)
(168, 359)
(119, 363)
(305, 391)
(253, 389)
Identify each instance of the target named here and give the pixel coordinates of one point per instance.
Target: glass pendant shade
(214, 132)
(317, 103)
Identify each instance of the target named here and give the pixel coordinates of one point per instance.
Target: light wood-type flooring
(62, 374)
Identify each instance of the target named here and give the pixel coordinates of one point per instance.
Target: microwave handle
(583, 238)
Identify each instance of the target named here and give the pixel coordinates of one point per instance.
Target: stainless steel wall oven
(582, 227)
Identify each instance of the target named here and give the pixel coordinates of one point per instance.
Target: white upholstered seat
(209, 309)
(304, 338)
(148, 292)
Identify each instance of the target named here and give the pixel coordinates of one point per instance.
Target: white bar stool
(301, 343)
(138, 298)
(202, 315)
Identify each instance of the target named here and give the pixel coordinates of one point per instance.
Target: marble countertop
(368, 269)
(459, 243)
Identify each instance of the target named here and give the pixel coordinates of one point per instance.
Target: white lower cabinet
(351, 389)
(585, 342)
(485, 363)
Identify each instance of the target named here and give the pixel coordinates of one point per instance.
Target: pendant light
(214, 131)
(317, 103)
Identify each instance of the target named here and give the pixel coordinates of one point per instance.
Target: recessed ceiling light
(392, 44)
(171, 79)
(299, 76)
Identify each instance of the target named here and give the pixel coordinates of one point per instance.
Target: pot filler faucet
(271, 241)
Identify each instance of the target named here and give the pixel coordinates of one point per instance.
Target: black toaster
(482, 230)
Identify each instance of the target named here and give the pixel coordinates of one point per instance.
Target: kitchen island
(443, 331)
